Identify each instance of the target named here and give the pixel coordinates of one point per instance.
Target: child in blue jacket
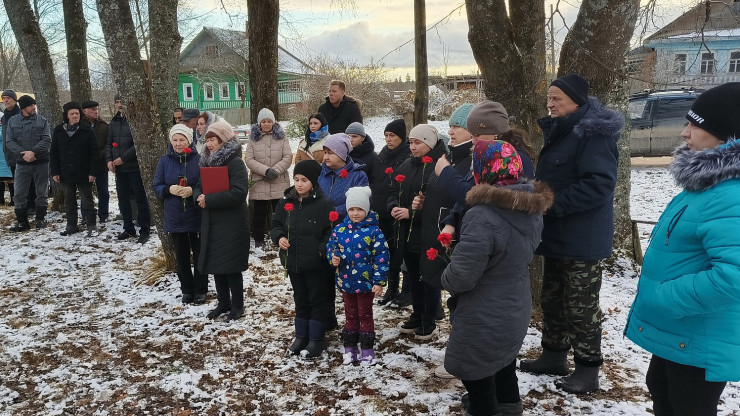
(358, 250)
(339, 172)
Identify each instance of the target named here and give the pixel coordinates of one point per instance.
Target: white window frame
(221, 95)
(243, 86)
(679, 65)
(205, 91)
(708, 65)
(185, 96)
(734, 63)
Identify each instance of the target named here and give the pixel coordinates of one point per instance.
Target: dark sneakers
(125, 235)
(411, 325)
(426, 331)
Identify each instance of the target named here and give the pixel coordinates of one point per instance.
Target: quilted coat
(265, 151)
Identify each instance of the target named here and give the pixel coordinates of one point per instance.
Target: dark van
(657, 121)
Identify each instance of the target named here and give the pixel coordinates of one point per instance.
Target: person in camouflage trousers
(579, 162)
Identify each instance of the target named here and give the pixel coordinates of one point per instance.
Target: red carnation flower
(445, 238)
(187, 150)
(432, 253)
(115, 144)
(388, 170)
(426, 159)
(333, 216)
(183, 181)
(400, 178)
(289, 207)
(343, 173)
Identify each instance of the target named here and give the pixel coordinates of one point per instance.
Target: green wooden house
(214, 72)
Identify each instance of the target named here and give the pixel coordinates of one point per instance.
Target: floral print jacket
(364, 253)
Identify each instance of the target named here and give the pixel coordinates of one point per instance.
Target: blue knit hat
(459, 117)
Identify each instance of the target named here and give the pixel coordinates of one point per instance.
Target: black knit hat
(398, 127)
(9, 93)
(717, 111)
(25, 101)
(70, 106)
(89, 104)
(574, 86)
(310, 169)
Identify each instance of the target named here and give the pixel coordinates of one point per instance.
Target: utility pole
(552, 42)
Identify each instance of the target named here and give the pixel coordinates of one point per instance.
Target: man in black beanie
(579, 162)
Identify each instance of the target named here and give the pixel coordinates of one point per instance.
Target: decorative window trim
(185, 96)
(734, 63)
(221, 95)
(243, 87)
(205, 91)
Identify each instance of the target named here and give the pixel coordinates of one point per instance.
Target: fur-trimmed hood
(277, 132)
(698, 171)
(590, 120)
(533, 198)
(221, 156)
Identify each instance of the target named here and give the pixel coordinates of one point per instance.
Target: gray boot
(583, 380)
(550, 362)
(511, 409)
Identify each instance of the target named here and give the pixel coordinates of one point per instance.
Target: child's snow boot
(315, 347)
(367, 339)
(351, 352)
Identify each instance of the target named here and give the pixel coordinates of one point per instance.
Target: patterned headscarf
(496, 162)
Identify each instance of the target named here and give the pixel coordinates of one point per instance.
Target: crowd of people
(421, 216)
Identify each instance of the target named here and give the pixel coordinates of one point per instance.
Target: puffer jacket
(687, 307)
(335, 187)
(307, 228)
(488, 277)
(382, 181)
(28, 133)
(265, 151)
(579, 162)
(180, 215)
(120, 143)
(364, 253)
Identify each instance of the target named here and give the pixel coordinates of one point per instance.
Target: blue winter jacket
(687, 308)
(364, 253)
(178, 217)
(335, 187)
(5, 171)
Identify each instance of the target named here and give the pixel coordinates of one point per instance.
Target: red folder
(215, 179)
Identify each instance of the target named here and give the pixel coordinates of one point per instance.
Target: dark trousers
(424, 298)
(358, 311)
(87, 204)
(261, 209)
(126, 182)
(386, 226)
(310, 294)
(571, 315)
(101, 183)
(27, 177)
(485, 394)
(192, 282)
(678, 389)
(231, 283)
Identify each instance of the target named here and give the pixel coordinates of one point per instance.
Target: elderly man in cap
(91, 112)
(29, 141)
(579, 162)
(190, 117)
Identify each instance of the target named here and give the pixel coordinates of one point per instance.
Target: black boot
(583, 380)
(404, 298)
(550, 362)
(412, 324)
(427, 330)
(40, 217)
(22, 225)
(315, 347)
(220, 309)
(391, 289)
(351, 352)
(301, 336)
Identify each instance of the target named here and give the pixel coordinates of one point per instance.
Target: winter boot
(235, 314)
(391, 289)
(22, 221)
(220, 309)
(411, 325)
(350, 340)
(550, 362)
(511, 409)
(427, 330)
(440, 315)
(40, 217)
(301, 336)
(404, 298)
(583, 380)
(315, 347)
(367, 339)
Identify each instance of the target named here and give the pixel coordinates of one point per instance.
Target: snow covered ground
(80, 335)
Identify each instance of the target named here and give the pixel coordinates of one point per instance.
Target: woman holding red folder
(224, 232)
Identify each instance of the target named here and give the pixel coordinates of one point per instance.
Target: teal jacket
(687, 308)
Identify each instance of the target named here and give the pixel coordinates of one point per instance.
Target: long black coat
(579, 162)
(224, 230)
(75, 157)
(101, 135)
(307, 228)
(381, 181)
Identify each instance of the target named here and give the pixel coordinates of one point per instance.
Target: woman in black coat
(224, 234)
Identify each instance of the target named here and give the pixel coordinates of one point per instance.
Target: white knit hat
(358, 197)
(426, 133)
(265, 113)
(182, 129)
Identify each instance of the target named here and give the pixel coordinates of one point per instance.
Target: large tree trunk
(595, 48)
(421, 97)
(75, 28)
(165, 54)
(37, 57)
(135, 87)
(262, 28)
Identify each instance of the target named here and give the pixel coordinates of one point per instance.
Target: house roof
(722, 15)
(238, 43)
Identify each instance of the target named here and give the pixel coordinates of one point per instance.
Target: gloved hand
(175, 189)
(271, 174)
(186, 191)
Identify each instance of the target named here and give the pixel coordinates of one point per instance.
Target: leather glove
(175, 189)
(271, 174)
(186, 191)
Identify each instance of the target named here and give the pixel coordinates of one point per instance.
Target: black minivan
(657, 121)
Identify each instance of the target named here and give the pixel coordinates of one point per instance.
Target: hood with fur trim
(277, 132)
(222, 155)
(592, 119)
(533, 198)
(698, 171)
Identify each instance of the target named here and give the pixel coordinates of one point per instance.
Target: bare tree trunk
(262, 28)
(136, 89)
(421, 97)
(10, 57)
(165, 54)
(75, 27)
(37, 57)
(595, 48)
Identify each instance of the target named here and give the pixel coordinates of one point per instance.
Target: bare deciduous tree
(75, 28)
(262, 27)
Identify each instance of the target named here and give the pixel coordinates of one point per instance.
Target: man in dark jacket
(120, 154)
(579, 162)
(11, 108)
(29, 141)
(73, 160)
(340, 110)
(91, 110)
